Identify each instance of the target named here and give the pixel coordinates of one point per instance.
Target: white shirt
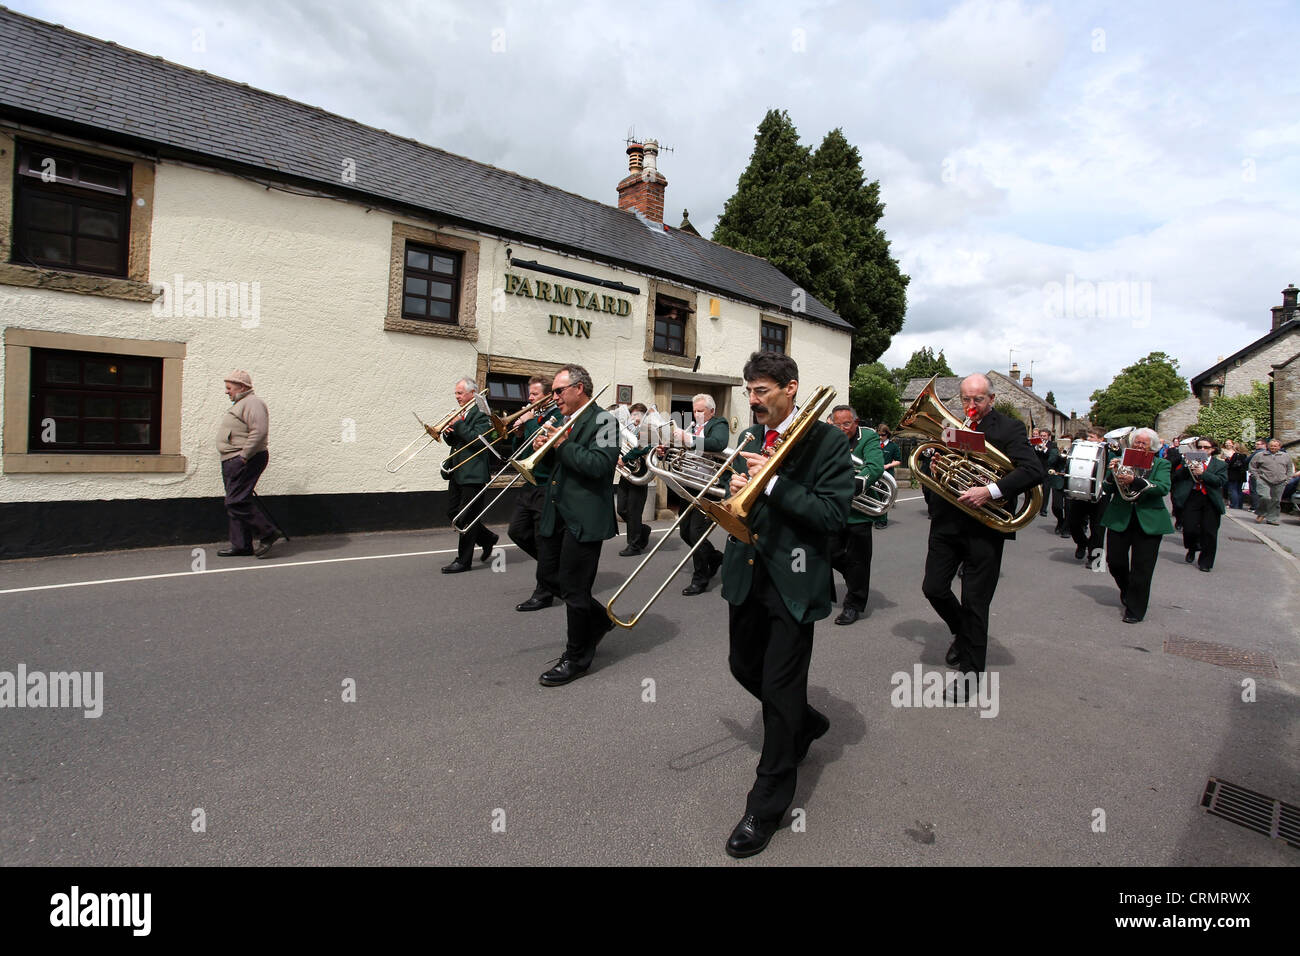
(780, 430)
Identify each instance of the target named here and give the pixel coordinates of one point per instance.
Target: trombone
(434, 434)
(733, 513)
(516, 462)
(501, 424)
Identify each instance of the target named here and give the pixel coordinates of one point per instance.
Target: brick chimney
(1015, 372)
(644, 186)
(1028, 382)
(1287, 310)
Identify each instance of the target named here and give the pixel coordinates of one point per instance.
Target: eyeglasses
(760, 392)
(557, 391)
(1205, 447)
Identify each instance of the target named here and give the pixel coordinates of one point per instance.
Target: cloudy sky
(1080, 182)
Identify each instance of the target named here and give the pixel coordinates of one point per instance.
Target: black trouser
(567, 567)
(458, 497)
(770, 653)
(980, 551)
(1085, 524)
(707, 558)
(1131, 559)
(631, 507)
(851, 556)
(246, 518)
(523, 528)
(1201, 527)
(1058, 506)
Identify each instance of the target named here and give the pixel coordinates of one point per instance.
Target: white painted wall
(319, 355)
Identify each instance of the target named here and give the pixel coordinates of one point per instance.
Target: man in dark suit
(1203, 506)
(1085, 516)
(781, 583)
(1136, 526)
(1054, 485)
(577, 517)
(851, 553)
(709, 435)
(469, 468)
(529, 501)
(957, 539)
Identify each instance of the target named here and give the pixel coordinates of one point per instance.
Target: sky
(1069, 185)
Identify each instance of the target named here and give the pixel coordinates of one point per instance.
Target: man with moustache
(957, 539)
(780, 583)
(851, 554)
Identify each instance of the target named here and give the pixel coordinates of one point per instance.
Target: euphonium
(878, 497)
(1120, 440)
(953, 472)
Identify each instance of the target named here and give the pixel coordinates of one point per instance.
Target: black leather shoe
(235, 553)
(1191, 556)
(487, 549)
(562, 673)
(693, 589)
(534, 604)
(1206, 570)
(264, 548)
(645, 538)
(750, 836)
(952, 658)
(1080, 551)
(848, 615)
(1128, 618)
(816, 728)
(455, 568)
(962, 688)
(629, 552)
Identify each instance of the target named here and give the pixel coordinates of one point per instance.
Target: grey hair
(468, 382)
(1151, 436)
(579, 376)
(707, 399)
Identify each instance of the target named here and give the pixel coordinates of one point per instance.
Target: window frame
(687, 301)
(462, 324)
(430, 276)
(766, 327)
(83, 391)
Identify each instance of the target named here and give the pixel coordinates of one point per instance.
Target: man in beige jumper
(241, 441)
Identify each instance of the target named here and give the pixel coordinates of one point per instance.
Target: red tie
(770, 439)
(699, 430)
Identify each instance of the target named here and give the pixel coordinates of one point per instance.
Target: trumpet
(733, 513)
(434, 434)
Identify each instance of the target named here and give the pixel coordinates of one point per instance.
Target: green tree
(869, 291)
(923, 364)
(1009, 410)
(1139, 393)
(873, 396)
(1051, 399)
(1239, 417)
(815, 218)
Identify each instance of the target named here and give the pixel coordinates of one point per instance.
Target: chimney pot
(635, 155)
(1015, 372)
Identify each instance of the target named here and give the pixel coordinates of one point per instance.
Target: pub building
(164, 226)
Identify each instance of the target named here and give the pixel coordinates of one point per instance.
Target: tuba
(629, 437)
(1120, 440)
(878, 497)
(953, 472)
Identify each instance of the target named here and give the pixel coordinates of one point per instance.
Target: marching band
(798, 495)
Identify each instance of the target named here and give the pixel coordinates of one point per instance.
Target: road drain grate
(1224, 655)
(1252, 810)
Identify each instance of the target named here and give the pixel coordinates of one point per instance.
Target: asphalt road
(224, 690)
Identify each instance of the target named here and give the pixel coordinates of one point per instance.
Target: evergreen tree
(815, 218)
(1139, 393)
(923, 364)
(1051, 399)
(873, 396)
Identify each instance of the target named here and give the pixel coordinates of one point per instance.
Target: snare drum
(1086, 470)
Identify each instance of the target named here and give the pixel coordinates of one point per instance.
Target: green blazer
(794, 524)
(462, 439)
(531, 427)
(715, 436)
(581, 486)
(1214, 478)
(873, 466)
(1149, 508)
(1055, 460)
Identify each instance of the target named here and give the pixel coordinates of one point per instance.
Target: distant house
(1269, 360)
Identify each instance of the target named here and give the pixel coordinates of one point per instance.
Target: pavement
(344, 703)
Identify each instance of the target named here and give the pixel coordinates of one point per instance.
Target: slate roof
(67, 81)
(1286, 328)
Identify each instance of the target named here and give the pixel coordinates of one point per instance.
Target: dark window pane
(417, 286)
(101, 373)
(137, 376)
(63, 406)
(414, 306)
(444, 264)
(52, 215)
(441, 290)
(135, 434)
(99, 176)
(98, 433)
(94, 254)
(441, 310)
(98, 223)
(417, 260)
(514, 390)
(134, 408)
(98, 406)
(47, 246)
(63, 370)
(65, 433)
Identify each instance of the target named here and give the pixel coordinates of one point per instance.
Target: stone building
(1006, 388)
(1236, 374)
(161, 226)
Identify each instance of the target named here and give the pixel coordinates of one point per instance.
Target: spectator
(1236, 462)
(1271, 469)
